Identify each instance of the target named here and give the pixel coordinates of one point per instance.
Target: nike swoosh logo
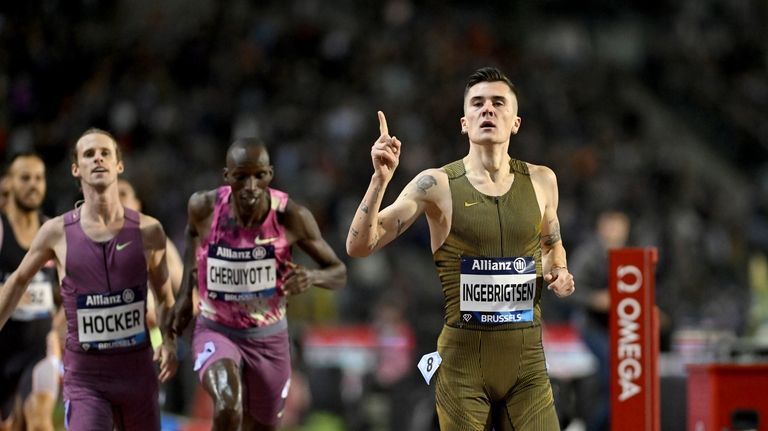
(469, 204)
(260, 241)
(123, 245)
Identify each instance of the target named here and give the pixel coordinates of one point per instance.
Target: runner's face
(249, 173)
(97, 163)
(27, 183)
(490, 113)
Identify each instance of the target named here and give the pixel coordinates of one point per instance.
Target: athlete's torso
(104, 289)
(240, 269)
(490, 263)
(37, 302)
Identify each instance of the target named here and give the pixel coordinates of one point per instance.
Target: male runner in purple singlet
(106, 256)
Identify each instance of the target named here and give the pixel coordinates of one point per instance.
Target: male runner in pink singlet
(106, 255)
(238, 253)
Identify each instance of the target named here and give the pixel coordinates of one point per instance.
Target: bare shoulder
(295, 209)
(542, 175)
(435, 176)
(53, 225)
(430, 183)
(298, 219)
(201, 204)
(545, 185)
(51, 232)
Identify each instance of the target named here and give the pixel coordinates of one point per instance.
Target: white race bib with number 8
(428, 365)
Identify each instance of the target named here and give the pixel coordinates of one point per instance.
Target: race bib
(37, 302)
(106, 321)
(497, 290)
(241, 274)
(428, 365)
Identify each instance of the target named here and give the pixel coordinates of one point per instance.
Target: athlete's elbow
(354, 249)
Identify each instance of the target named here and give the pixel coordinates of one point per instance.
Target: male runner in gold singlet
(495, 238)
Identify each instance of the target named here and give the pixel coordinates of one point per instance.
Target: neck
(247, 218)
(103, 205)
(19, 218)
(488, 159)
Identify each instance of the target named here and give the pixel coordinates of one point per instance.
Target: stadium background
(655, 107)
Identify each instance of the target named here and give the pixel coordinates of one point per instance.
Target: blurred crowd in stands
(655, 108)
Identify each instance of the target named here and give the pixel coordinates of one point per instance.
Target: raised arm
(372, 229)
(40, 251)
(154, 242)
(553, 256)
(332, 273)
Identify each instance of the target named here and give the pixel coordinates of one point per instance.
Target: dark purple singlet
(109, 377)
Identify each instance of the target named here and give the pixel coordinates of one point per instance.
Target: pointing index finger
(383, 124)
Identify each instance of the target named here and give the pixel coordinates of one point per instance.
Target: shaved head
(249, 172)
(252, 149)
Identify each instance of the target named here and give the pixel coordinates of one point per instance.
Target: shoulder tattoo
(425, 182)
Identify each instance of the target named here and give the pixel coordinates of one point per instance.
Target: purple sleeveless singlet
(109, 377)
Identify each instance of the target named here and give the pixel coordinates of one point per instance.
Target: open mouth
(249, 198)
(486, 124)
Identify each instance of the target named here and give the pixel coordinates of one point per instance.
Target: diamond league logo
(519, 264)
(259, 252)
(467, 317)
(128, 296)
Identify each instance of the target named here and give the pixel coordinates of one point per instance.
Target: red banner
(634, 340)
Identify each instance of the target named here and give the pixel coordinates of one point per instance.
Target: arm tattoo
(399, 227)
(554, 236)
(355, 232)
(363, 206)
(425, 183)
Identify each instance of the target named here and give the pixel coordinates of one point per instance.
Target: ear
(464, 127)
(75, 170)
(120, 167)
(224, 173)
(516, 125)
